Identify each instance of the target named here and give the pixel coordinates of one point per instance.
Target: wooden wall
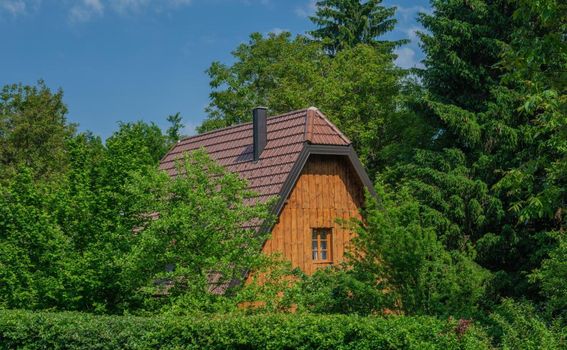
(328, 188)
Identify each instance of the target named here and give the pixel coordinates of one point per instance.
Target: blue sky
(126, 60)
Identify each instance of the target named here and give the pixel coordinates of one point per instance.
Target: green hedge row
(41, 330)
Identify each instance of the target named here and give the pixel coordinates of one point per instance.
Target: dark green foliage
(341, 291)
(462, 50)
(19, 329)
(492, 157)
(552, 278)
(398, 251)
(518, 326)
(174, 130)
(343, 24)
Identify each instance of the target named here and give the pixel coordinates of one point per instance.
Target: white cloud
(278, 31)
(406, 13)
(19, 7)
(129, 6)
(13, 7)
(179, 3)
(407, 58)
(306, 10)
(190, 129)
(252, 2)
(411, 33)
(86, 10)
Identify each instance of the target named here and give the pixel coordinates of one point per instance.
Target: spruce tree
(346, 23)
(492, 164)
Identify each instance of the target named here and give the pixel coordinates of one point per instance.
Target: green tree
(397, 251)
(174, 130)
(33, 130)
(343, 24)
(492, 157)
(193, 232)
(358, 89)
(552, 276)
(33, 248)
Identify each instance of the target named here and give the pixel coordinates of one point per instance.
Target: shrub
(24, 329)
(516, 325)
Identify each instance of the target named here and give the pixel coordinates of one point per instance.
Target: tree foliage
(493, 157)
(469, 159)
(33, 130)
(69, 241)
(343, 24)
(195, 231)
(398, 250)
(357, 89)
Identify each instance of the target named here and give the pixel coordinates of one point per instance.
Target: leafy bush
(517, 326)
(24, 329)
(341, 291)
(398, 247)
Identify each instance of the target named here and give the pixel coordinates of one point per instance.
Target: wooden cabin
(304, 160)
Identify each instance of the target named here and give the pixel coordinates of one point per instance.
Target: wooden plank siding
(327, 189)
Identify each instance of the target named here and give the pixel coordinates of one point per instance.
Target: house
(304, 160)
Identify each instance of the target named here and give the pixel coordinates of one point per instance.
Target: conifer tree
(491, 163)
(346, 23)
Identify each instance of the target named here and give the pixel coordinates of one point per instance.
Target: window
(321, 245)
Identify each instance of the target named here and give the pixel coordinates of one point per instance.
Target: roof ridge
(243, 124)
(333, 126)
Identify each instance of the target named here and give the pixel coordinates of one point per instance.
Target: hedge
(43, 330)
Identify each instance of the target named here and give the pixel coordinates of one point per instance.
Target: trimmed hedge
(42, 330)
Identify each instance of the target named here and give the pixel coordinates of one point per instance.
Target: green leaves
(195, 223)
(20, 329)
(343, 24)
(33, 130)
(357, 89)
(397, 245)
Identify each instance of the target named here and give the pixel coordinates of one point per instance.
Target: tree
(397, 251)
(33, 130)
(357, 89)
(552, 276)
(174, 130)
(492, 161)
(343, 24)
(194, 231)
(33, 248)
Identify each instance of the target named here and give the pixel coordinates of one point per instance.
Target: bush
(517, 325)
(24, 329)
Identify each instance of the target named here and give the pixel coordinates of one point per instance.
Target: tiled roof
(232, 147)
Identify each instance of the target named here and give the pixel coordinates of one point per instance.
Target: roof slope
(232, 147)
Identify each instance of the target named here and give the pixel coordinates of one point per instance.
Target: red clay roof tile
(232, 147)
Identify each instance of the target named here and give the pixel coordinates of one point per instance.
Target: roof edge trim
(308, 150)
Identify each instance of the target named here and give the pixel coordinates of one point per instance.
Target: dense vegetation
(469, 157)
(21, 329)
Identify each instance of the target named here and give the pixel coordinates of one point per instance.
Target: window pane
(323, 234)
(323, 245)
(314, 255)
(324, 255)
(315, 245)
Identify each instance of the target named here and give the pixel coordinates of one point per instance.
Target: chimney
(260, 130)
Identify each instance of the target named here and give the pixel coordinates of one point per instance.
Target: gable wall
(328, 188)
